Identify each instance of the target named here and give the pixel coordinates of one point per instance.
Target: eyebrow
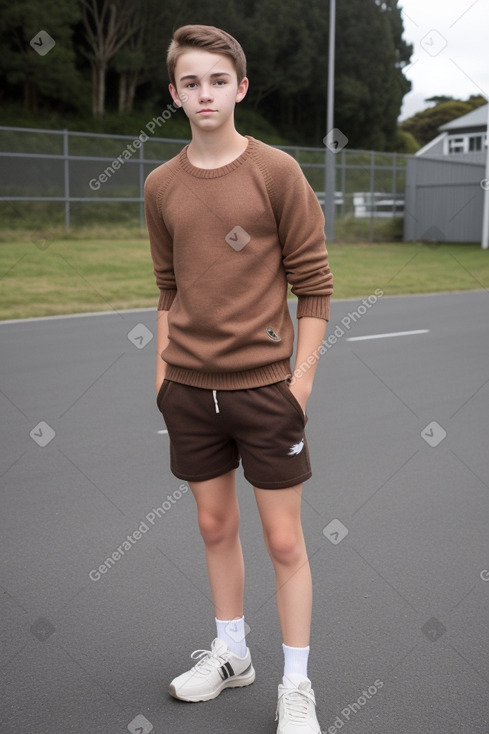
(194, 76)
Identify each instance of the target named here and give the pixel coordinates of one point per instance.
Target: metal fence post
(329, 161)
(485, 186)
(343, 181)
(67, 180)
(394, 185)
(372, 196)
(141, 185)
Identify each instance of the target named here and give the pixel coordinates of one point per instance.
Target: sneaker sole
(238, 681)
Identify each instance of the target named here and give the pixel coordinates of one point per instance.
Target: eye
(220, 82)
(191, 85)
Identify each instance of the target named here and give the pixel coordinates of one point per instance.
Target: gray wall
(443, 200)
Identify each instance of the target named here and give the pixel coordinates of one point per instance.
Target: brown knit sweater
(225, 242)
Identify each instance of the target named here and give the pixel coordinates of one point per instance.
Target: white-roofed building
(464, 138)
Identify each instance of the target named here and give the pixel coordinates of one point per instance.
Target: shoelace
(296, 705)
(207, 660)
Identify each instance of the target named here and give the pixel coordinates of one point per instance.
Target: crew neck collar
(215, 172)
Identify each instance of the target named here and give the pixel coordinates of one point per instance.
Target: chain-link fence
(60, 178)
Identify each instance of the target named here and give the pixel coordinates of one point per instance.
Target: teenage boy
(231, 222)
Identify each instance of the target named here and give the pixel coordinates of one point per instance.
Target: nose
(205, 92)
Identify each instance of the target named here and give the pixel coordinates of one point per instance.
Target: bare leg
(218, 517)
(282, 529)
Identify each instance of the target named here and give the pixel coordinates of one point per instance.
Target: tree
(440, 98)
(403, 50)
(52, 76)
(109, 25)
(287, 48)
(128, 63)
(278, 44)
(405, 143)
(142, 59)
(370, 84)
(286, 44)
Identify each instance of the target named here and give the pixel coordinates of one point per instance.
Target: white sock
(295, 663)
(232, 632)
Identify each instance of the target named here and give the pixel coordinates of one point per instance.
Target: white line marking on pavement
(387, 336)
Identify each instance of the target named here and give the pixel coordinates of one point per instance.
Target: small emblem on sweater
(272, 335)
(296, 448)
(237, 238)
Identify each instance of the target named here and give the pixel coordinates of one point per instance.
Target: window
(475, 142)
(456, 145)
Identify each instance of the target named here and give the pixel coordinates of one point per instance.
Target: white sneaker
(218, 668)
(296, 709)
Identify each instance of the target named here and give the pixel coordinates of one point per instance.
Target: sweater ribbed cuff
(166, 300)
(315, 306)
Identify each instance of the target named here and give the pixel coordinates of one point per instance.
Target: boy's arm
(162, 254)
(161, 343)
(310, 333)
(301, 233)
(305, 258)
(161, 243)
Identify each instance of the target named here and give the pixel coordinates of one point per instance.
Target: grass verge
(111, 269)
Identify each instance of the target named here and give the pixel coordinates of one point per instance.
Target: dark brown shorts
(210, 431)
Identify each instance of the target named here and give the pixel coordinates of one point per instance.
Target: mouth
(205, 112)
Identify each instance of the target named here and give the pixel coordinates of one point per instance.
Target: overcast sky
(450, 57)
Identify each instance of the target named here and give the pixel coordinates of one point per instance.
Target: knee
(286, 546)
(217, 528)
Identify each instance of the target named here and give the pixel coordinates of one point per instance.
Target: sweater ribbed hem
(316, 306)
(246, 380)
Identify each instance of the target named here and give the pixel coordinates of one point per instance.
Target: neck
(215, 148)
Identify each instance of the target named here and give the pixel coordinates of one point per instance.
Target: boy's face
(207, 88)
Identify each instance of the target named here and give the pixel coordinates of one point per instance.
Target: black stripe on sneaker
(226, 671)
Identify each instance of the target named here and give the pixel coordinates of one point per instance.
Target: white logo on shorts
(296, 448)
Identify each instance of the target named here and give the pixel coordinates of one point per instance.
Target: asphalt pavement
(103, 586)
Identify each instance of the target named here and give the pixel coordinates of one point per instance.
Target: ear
(175, 95)
(242, 89)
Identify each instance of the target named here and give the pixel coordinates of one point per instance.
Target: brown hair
(207, 38)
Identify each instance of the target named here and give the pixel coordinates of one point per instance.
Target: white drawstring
(214, 395)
